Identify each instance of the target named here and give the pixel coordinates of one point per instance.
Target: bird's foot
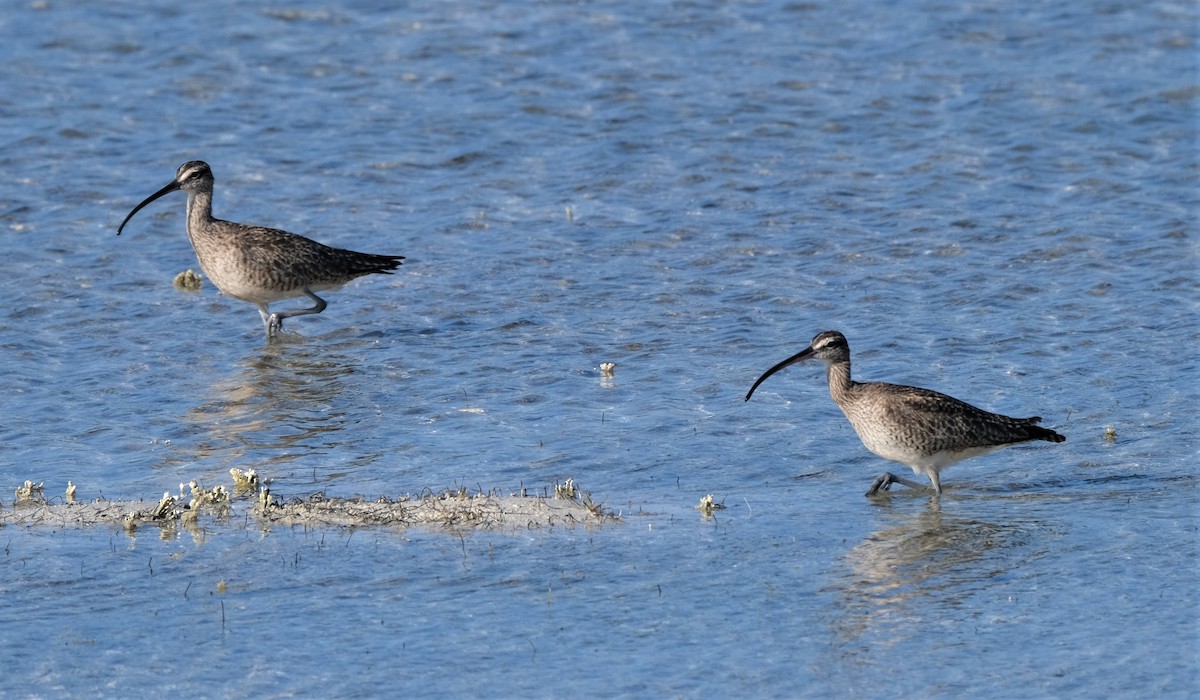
(883, 482)
(274, 325)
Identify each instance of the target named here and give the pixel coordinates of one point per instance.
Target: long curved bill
(166, 190)
(798, 357)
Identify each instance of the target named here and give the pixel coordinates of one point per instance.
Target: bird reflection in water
(281, 404)
(920, 573)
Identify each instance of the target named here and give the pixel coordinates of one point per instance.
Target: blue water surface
(997, 200)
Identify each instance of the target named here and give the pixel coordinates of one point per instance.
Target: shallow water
(995, 200)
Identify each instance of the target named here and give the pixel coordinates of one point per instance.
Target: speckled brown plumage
(262, 265)
(923, 429)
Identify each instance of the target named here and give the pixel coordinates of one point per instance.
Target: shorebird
(922, 429)
(262, 265)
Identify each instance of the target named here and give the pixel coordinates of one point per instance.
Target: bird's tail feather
(1037, 432)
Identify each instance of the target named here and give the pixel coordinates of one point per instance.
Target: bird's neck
(199, 211)
(840, 384)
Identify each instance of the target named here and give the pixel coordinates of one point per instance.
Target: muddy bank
(248, 504)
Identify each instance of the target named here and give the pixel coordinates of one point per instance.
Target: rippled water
(996, 200)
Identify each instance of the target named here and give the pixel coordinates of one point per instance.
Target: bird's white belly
(236, 286)
(240, 286)
(921, 461)
(256, 295)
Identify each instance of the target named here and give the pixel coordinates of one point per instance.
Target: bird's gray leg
(269, 320)
(885, 480)
(275, 323)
